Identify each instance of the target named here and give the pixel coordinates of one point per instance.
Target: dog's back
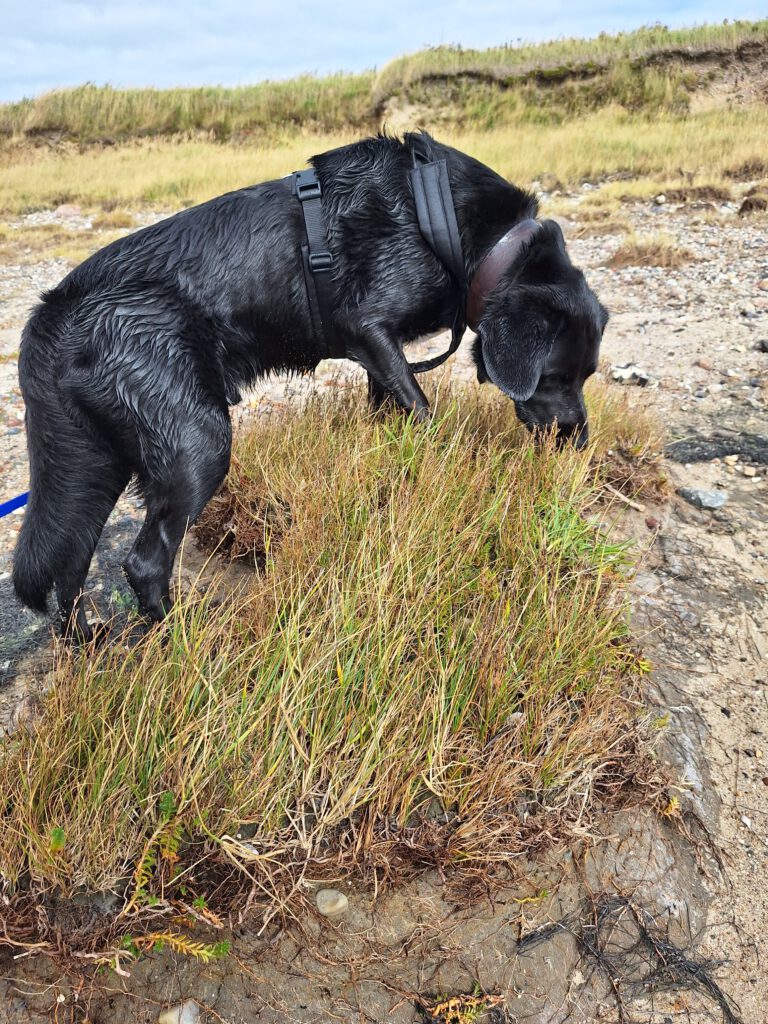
(126, 368)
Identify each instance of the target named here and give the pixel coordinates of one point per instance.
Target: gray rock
(703, 499)
(331, 902)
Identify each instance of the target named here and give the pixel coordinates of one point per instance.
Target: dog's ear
(515, 339)
(605, 316)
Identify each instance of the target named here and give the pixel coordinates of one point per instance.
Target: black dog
(128, 367)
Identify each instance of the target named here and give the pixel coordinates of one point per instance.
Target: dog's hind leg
(75, 482)
(99, 481)
(176, 494)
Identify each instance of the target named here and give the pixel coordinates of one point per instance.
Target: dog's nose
(576, 434)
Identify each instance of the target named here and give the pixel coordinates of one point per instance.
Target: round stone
(331, 902)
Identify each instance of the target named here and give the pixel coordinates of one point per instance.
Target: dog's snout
(576, 433)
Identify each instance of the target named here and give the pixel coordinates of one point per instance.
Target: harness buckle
(305, 190)
(320, 262)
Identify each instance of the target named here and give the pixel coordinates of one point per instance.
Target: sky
(49, 44)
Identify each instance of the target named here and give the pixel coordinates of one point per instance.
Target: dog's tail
(45, 537)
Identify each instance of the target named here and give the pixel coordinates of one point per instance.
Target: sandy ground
(700, 604)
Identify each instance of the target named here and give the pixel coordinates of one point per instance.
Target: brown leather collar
(494, 263)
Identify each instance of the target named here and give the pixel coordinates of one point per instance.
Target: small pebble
(748, 471)
(704, 364)
(731, 460)
(331, 902)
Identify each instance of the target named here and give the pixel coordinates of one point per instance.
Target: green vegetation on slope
(650, 69)
(92, 113)
(561, 57)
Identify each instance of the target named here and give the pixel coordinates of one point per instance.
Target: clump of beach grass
(655, 250)
(429, 665)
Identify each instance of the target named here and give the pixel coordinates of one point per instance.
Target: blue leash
(10, 506)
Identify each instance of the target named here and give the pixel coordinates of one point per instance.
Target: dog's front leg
(378, 398)
(389, 373)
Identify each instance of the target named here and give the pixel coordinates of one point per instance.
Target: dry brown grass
(657, 250)
(29, 244)
(755, 201)
(113, 219)
(596, 227)
(652, 157)
(699, 194)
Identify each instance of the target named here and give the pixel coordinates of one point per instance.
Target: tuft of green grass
(430, 661)
(113, 219)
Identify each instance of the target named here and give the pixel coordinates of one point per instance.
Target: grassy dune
(650, 69)
(561, 56)
(91, 113)
(434, 641)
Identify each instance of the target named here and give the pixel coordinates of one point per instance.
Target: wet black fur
(128, 366)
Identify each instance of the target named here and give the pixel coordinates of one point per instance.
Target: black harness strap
(317, 261)
(438, 225)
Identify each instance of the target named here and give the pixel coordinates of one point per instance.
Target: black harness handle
(438, 225)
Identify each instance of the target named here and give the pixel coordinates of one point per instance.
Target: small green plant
(136, 946)
(58, 839)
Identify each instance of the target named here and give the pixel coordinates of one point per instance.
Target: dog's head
(539, 337)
